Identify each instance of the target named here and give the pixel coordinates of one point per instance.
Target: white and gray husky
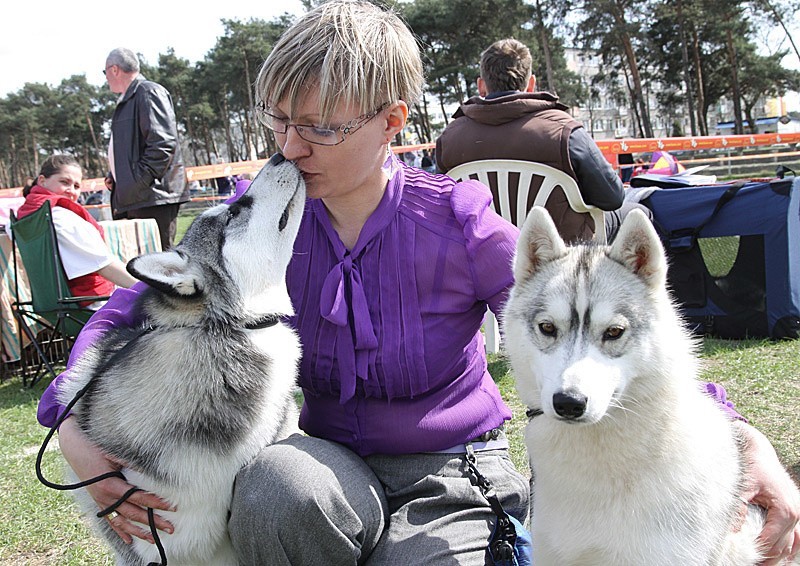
(192, 395)
(632, 463)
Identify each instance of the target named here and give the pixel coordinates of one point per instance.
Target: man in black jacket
(147, 175)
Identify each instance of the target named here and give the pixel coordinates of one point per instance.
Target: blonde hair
(352, 52)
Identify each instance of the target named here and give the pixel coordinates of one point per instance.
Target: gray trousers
(307, 502)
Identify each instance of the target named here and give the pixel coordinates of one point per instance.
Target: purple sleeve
(118, 311)
(717, 392)
(491, 242)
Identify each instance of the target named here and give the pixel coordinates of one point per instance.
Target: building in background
(606, 113)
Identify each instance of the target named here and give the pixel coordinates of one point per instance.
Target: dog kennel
(734, 255)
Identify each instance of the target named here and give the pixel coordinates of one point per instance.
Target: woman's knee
(304, 476)
(271, 487)
(309, 486)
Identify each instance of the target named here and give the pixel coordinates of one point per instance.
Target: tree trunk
(227, 123)
(248, 113)
(687, 75)
(94, 137)
(34, 152)
(637, 119)
(426, 119)
(748, 112)
(444, 112)
(737, 96)
(630, 58)
(702, 107)
(545, 45)
(211, 146)
(190, 134)
(5, 176)
(422, 122)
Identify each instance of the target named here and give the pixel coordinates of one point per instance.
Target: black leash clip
(502, 542)
(504, 537)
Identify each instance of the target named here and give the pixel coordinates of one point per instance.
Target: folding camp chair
(52, 307)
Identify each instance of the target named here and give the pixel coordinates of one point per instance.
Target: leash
(115, 474)
(264, 322)
(501, 545)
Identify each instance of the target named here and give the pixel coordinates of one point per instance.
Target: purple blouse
(394, 360)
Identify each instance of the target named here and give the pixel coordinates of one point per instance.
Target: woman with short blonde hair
(392, 272)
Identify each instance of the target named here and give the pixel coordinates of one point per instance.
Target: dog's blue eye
(613, 333)
(548, 329)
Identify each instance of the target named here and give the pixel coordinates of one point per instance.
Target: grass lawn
(40, 526)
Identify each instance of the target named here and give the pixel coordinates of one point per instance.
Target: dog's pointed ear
(171, 272)
(638, 248)
(539, 242)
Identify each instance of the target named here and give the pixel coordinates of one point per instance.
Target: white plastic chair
(527, 170)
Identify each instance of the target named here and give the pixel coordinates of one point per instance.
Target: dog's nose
(276, 159)
(569, 405)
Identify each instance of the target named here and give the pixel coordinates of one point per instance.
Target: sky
(45, 41)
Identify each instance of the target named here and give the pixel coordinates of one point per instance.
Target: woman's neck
(348, 213)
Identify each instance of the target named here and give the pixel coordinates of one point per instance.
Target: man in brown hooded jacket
(511, 121)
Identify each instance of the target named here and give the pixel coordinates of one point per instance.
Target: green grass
(40, 526)
(37, 525)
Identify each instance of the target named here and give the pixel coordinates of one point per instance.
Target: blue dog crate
(734, 254)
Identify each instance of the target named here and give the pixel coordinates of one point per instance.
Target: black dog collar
(530, 413)
(265, 322)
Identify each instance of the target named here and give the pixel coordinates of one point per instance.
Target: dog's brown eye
(613, 332)
(547, 328)
(233, 212)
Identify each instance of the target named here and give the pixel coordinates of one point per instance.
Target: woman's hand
(769, 486)
(88, 461)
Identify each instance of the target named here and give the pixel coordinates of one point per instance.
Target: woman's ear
(40, 179)
(396, 116)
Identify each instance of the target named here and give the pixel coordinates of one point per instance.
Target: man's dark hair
(506, 65)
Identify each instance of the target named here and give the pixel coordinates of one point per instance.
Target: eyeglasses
(315, 134)
(105, 71)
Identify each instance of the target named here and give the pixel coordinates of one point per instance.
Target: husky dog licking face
(576, 333)
(203, 378)
(234, 256)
